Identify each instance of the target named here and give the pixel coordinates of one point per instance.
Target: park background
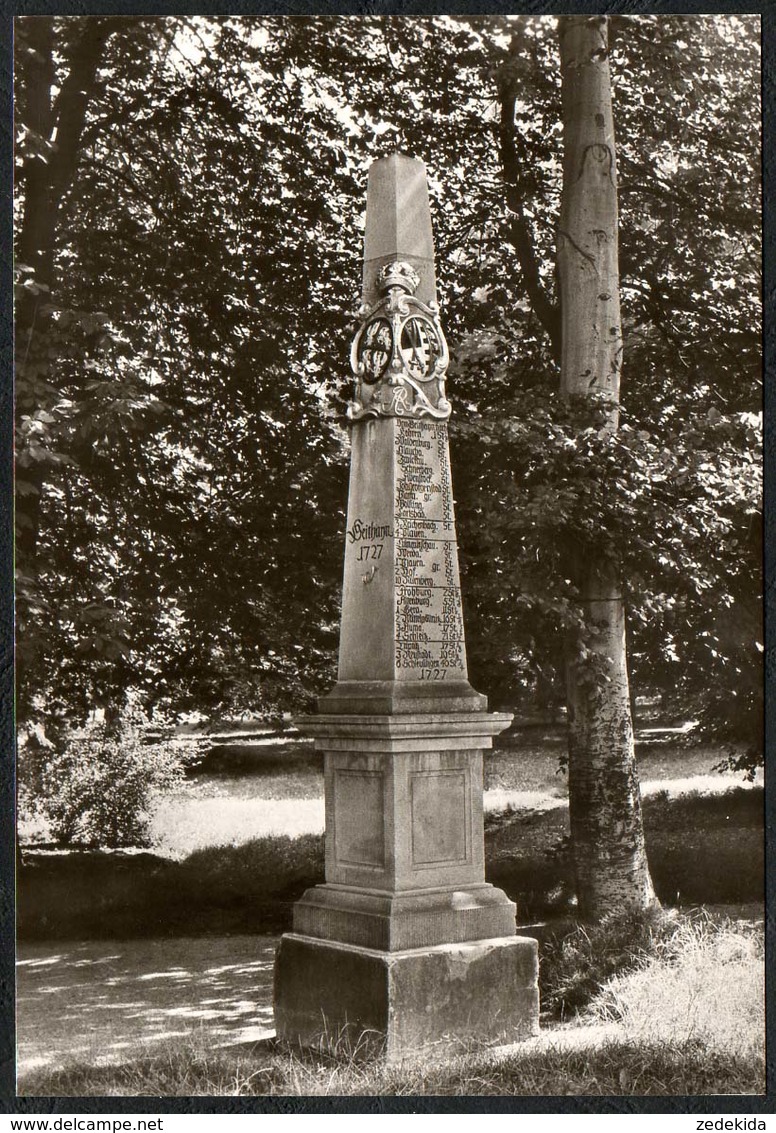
(189, 225)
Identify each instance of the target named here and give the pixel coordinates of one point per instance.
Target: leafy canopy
(183, 345)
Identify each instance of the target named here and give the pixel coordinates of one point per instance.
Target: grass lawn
(682, 1014)
(702, 849)
(547, 1068)
(242, 792)
(275, 787)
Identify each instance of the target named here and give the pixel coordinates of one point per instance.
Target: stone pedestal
(430, 1000)
(405, 942)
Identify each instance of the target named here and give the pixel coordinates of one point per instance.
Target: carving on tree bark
(604, 799)
(586, 335)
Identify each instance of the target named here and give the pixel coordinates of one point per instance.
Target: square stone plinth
(404, 801)
(437, 999)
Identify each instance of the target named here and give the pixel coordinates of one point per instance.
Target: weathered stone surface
(404, 800)
(398, 224)
(394, 922)
(427, 830)
(419, 731)
(402, 637)
(405, 940)
(420, 1000)
(390, 698)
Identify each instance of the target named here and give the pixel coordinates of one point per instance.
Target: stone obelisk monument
(405, 941)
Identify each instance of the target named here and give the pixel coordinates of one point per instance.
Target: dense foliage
(183, 324)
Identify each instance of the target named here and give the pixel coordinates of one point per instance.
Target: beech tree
(604, 801)
(686, 90)
(44, 111)
(585, 332)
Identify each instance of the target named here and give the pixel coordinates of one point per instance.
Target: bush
(576, 964)
(96, 785)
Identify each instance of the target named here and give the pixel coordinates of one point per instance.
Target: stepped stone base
(390, 698)
(393, 922)
(438, 999)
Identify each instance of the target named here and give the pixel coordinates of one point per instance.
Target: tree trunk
(58, 121)
(46, 182)
(604, 800)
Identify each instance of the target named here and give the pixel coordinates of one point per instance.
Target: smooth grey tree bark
(604, 799)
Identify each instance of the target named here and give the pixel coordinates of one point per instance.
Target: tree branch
(72, 101)
(519, 231)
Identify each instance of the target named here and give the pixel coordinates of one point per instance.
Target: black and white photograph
(389, 556)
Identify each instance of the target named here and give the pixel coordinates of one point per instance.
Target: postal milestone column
(405, 943)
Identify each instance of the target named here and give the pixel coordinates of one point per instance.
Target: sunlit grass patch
(190, 1066)
(183, 825)
(687, 963)
(578, 960)
(706, 983)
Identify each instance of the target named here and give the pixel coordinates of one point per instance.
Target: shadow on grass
(98, 1001)
(702, 849)
(296, 755)
(610, 1070)
(225, 889)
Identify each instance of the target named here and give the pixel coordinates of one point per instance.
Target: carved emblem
(399, 355)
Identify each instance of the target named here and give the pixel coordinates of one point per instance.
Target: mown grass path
(95, 1001)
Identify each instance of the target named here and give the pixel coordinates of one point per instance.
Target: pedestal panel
(440, 808)
(402, 820)
(359, 806)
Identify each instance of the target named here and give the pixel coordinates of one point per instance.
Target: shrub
(96, 785)
(576, 964)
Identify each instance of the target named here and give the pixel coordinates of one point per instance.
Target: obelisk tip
(398, 221)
